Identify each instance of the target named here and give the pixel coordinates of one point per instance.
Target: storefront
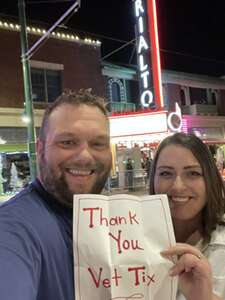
(14, 163)
(134, 138)
(14, 168)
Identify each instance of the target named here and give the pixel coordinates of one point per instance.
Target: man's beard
(59, 188)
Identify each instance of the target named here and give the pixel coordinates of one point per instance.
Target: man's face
(75, 157)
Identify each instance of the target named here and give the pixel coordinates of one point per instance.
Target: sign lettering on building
(174, 119)
(148, 54)
(143, 55)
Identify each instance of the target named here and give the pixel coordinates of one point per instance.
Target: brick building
(64, 61)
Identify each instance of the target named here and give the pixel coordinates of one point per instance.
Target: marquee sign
(138, 124)
(148, 54)
(146, 124)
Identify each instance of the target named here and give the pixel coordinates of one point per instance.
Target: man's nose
(84, 153)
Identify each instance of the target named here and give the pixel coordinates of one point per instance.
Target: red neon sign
(155, 53)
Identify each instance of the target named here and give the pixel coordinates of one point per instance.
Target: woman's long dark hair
(213, 212)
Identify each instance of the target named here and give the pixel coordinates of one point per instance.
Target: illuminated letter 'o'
(146, 98)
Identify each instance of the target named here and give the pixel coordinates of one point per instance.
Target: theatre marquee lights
(58, 35)
(138, 124)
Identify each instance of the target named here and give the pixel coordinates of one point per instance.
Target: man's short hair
(82, 97)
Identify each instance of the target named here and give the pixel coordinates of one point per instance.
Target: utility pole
(25, 57)
(27, 90)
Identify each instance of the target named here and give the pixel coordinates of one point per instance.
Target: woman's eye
(165, 174)
(194, 173)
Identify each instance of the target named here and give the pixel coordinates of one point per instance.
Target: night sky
(191, 32)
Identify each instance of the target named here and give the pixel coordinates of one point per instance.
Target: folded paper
(117, 244)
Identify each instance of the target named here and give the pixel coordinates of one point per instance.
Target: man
(73, 149)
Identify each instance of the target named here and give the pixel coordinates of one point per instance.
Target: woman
(184, 169)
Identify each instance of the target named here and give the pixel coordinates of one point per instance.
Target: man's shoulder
(27, 199)
(27, 207)
(27, 216)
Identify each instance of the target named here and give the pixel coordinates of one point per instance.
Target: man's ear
(39, 148)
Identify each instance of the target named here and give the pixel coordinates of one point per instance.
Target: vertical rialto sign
(148, 54)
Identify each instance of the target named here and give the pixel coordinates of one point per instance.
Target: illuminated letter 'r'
(138, 7)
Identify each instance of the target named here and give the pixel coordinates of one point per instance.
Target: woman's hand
(194, 271)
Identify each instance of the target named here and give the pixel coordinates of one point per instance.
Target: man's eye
(99, 145)
(67, 143)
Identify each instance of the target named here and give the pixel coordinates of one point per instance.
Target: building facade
(200, 99)
(66, 61)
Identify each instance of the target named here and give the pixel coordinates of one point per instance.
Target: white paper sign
(117, 244)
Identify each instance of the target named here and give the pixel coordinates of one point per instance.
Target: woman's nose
(178, 183)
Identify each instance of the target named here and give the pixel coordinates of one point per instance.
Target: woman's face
(179, 175)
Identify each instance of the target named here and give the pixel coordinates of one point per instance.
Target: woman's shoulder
(218, 236)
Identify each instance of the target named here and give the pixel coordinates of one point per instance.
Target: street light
(27, 91)
(25, 56)
(25, 118)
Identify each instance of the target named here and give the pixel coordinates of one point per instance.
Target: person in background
(74, 156)
(148, 162)
(130, 174)
(184, 169)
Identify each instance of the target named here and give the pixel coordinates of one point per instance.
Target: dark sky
(191, 32)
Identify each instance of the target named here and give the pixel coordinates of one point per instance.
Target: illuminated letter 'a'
(142, 44)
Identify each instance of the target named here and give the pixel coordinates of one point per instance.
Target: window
(198, 95)
(46, 84)
(214, 97)
(116, 92)
(182, 97)
(132, 91)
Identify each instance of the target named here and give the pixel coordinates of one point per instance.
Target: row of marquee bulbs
(59, 35)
